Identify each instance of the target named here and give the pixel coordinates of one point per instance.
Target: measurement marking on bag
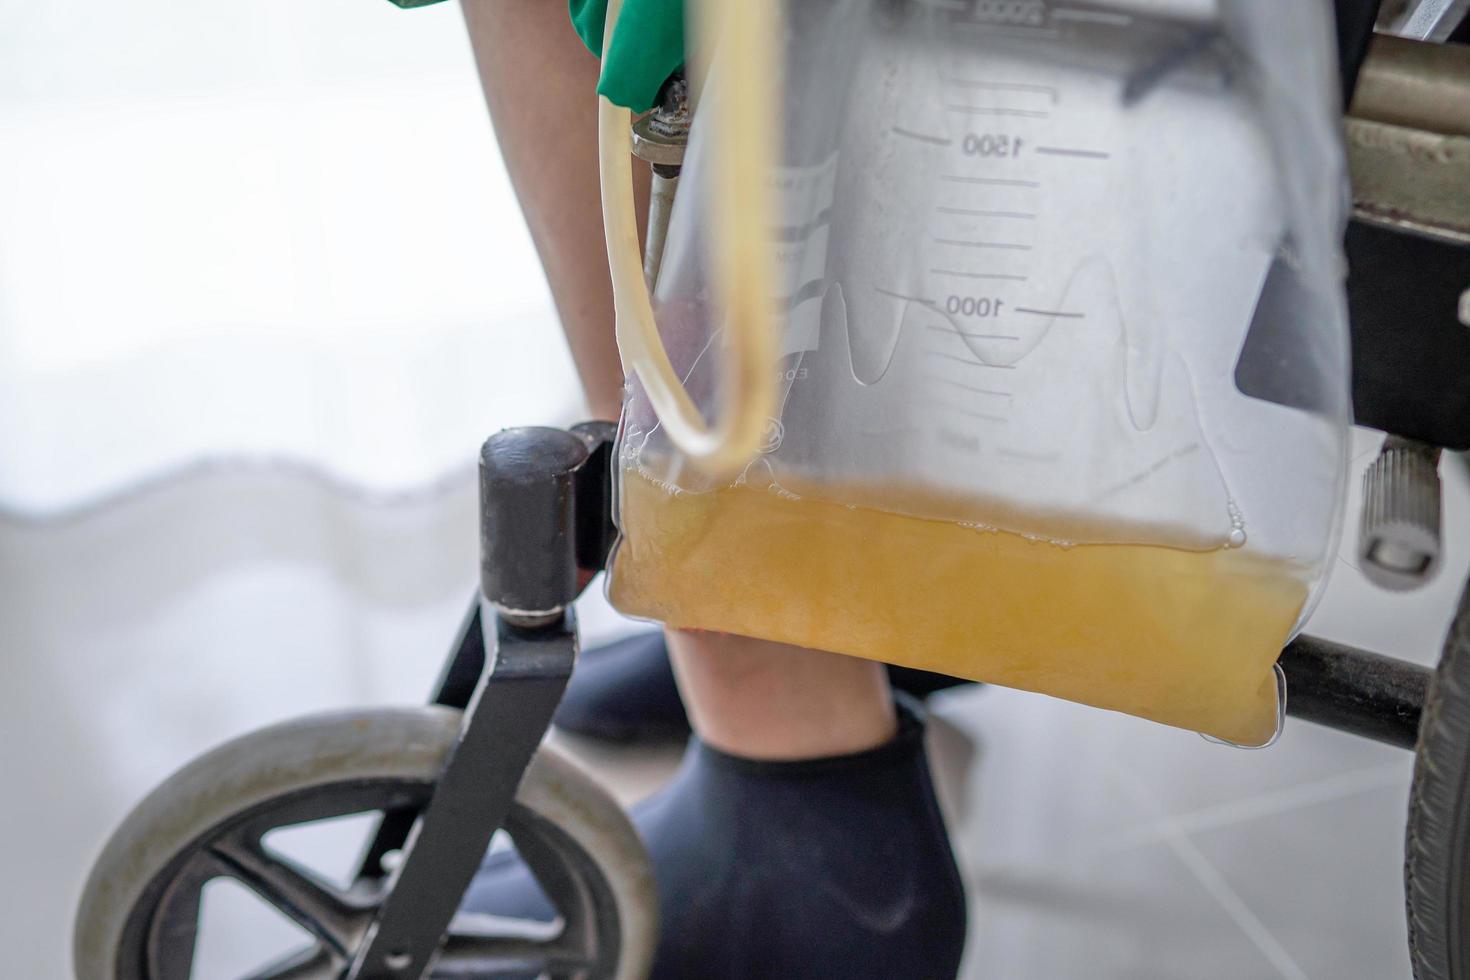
(992, 392)
(991, 145)
(962, 274)
(993, 86)
(994, 181)
(1027, 456)
(1056, 313)
(976, 213)
(1091, 16)
(957, 440)
(904, 296)
(1028, 13)
(1068, 151)
(971, 363)
(993, 110)
(981, 306)
(966, 243)
(922, 137)
(949, 328)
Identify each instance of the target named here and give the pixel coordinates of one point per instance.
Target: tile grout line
(1214, 884)
(1256, 807)
(1209, 878)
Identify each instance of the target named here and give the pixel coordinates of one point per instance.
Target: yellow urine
(1186, 638)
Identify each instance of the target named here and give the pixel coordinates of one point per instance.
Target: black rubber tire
(1437, 844)
(399, 746)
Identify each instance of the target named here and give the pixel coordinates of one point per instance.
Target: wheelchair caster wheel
(139, 914)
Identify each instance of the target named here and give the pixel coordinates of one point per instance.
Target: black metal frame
(546, 527)
(1410, 353)
(1355, 691)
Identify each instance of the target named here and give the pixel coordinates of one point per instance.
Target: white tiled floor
(1098, 846)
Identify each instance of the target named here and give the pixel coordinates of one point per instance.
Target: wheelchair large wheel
(140, 911)
(1437, 851)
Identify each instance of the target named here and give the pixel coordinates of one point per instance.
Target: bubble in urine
(1236, 537)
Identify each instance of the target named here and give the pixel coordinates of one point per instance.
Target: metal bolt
(398, 961)
(1465, 307)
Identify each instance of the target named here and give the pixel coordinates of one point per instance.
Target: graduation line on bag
(1010, 276)
(945, 328)
(986, 110)
(1091, 16)
(971, 388)
(975, 213)
(1019, 31)
(986, 84)
(965, 243)
(1056, 313)
(991, 181)
(911, 299)
(1027, 455)
(1067, 151)
(921, 137)
(966, 360)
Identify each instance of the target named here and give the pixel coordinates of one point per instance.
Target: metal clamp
(660, 136)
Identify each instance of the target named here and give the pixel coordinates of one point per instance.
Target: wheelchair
(445, 777)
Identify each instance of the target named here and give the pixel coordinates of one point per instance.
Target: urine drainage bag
(1049, 384)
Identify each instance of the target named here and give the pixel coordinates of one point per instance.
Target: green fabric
(646, 49)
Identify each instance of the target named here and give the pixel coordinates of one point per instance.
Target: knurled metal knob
(1399, 547)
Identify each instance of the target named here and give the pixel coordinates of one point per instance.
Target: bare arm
(540, 83)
